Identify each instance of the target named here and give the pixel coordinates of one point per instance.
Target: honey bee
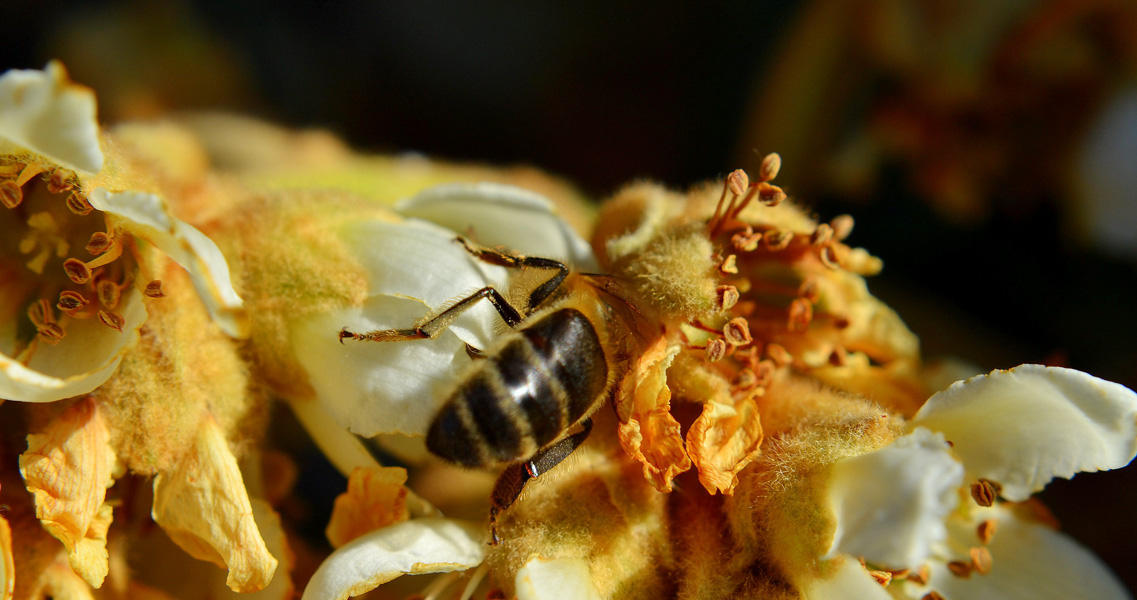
(545, 379)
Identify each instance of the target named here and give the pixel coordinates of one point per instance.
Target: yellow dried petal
(90, 559)
(68, 468)
(648, 433)
(725, 438)
(203, 506)
(375, 497)
(7, 562)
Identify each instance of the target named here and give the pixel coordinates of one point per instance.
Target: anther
(838, 357)
(70, 301)
(770, 167)
(779, 354)
(716, 350)
(921, 575)
(77, 270)
(39, 313)
(776, 239)
(50, 332)
(764, 372)
(738, 182)
(984, 492)
(99, 243)
(78, 204)
(882, 577)
(770, 195)
(808, 290)
(737, 332)
(980, 560)
(842, 226)
(746, 380)
(960, 569)
(729, 266)
(821, 235)
(986, 530)
(112, 320)
(746, 241)
(801, 313)
(829, 257)
(60, 181)
(11, 195)
(932, 595)
(108, 292)
(727, 296)
(154, 289)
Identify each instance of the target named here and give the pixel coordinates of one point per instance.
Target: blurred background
(988, 150)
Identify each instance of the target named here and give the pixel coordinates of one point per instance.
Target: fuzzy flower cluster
(767, 427)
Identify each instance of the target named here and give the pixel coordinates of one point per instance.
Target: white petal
(891, 504)
(423, 262)
(146, 216)
(397, 387)
(850, 582)
(86, 357)
(411, 547)
(1023, 427)
(555, 579)
(43, 112)
(1029, 562)
(501, 215)
(379, 387)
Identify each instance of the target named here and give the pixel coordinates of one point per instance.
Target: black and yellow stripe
(542, 381)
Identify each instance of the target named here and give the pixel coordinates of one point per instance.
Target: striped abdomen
(541, 382)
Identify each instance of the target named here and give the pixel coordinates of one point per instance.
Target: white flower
(1011, 432)
(72, 301)
(428, 545)
(413, 268)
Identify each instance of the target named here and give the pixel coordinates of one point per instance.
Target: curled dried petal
(375, 498)
(647, 431)
(725, 438)
(203, 506)
(68, 467)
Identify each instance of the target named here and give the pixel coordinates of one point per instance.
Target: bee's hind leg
(514, 478)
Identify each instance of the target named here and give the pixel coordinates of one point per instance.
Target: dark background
(1000, 273)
